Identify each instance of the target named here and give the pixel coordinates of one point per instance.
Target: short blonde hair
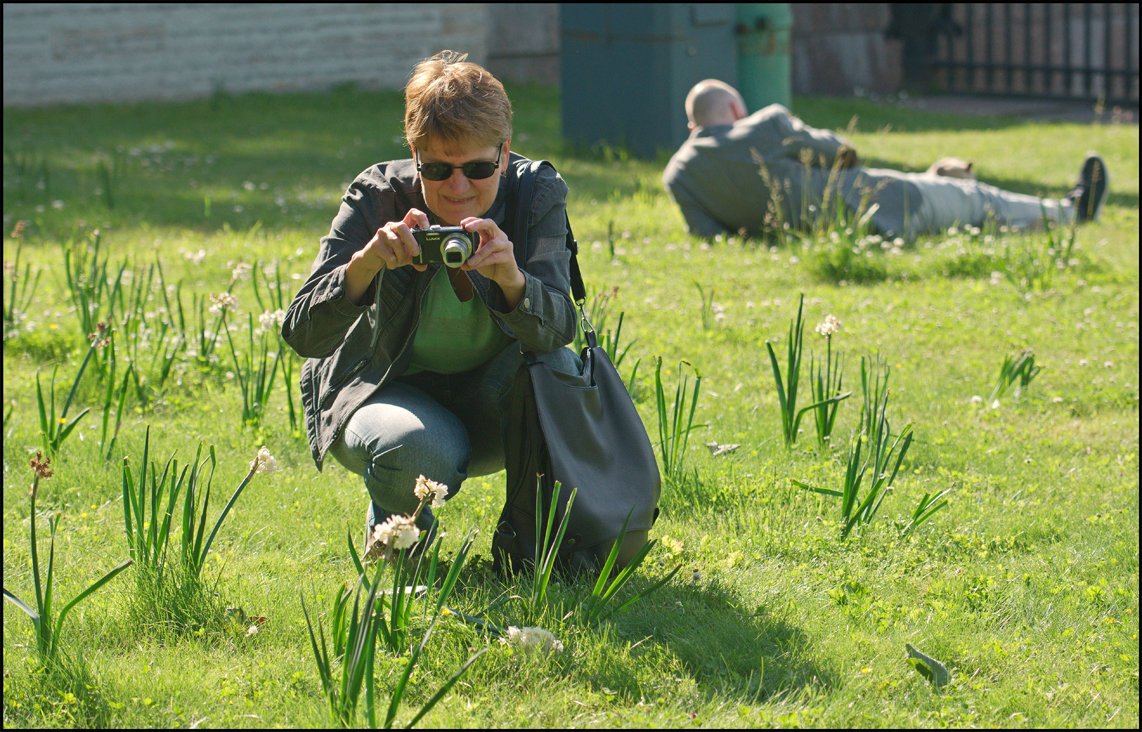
(453, 100)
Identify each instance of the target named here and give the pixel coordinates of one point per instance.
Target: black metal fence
(1076, 51)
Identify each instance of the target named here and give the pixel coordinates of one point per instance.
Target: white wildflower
(397, 532)
(241, 271)
(425, 488)
(223, 302)
(264, 462)
(977, 399)
(271, 320)
(529, 639)
(829, 326)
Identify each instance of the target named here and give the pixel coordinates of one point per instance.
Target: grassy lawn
(1025, 585)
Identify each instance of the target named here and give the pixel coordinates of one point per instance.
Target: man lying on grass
(749, 174)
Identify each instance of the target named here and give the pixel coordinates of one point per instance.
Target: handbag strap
(522, 185)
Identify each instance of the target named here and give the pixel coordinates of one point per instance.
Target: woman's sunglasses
(476, 170)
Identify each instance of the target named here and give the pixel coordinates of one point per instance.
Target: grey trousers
(943, 202)
(443, 426)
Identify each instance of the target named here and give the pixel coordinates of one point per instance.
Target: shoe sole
(1096, 184)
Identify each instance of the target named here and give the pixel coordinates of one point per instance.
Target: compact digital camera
(450, 245)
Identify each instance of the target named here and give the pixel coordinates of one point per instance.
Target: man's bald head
(713, 102)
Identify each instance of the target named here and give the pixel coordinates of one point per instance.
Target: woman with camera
(409, 365)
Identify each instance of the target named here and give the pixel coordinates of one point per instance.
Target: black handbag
(582, 432)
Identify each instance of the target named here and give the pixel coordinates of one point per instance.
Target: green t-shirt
(453, 336)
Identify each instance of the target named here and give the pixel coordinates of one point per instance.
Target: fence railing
(1075, 51)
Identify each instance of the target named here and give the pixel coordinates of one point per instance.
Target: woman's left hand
(494, 258)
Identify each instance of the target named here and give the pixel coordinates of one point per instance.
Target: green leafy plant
(255, 374)
(674, 428)
(21, 287)
(707, 306)
(354, 633)
(54, 430)
(274, 306)
(87, 282)
(605, 589)
(1030, 263)
(928, 505)
(874, 435)
(825, 383)
(48, 629)
(787, 386)
(550, 539)
(149, 536)
(412, 571)
(1019, 367)
(354, 640)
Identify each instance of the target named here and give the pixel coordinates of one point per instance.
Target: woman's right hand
(392, 246)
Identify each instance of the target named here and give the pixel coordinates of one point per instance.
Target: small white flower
(995, 404)
(425, 488)
(397, 532)
(530, 639)
(271, 320)
(264, 462)
(223, 302)
(977, 399)
(829, 326)
(241, 271)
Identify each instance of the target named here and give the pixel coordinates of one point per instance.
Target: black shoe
(1089, 193)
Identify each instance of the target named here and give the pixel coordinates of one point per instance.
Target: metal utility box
(626, 69)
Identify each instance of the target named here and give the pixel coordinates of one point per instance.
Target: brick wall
(117, 52)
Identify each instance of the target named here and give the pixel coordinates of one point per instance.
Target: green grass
(1025, 586)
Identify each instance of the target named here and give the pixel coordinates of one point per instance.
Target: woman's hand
(495, 259)
(392, 246)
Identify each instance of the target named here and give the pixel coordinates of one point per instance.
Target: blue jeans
(443, 426)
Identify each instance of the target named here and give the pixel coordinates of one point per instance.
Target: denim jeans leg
(400, 433)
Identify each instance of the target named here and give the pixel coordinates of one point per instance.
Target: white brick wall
(117, 52)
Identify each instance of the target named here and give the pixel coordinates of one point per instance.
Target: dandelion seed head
(241, 271)
(829, 326)
(426, 488)
(264, 462)
(532, 639)
(223, 302)
(397, 532)
(271, 320)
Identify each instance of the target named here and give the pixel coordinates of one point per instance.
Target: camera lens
(456, 250)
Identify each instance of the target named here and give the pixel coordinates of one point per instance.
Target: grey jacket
(771, 168)
(352, 350)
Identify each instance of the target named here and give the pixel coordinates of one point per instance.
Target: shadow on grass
(731, 653)
(63, 693)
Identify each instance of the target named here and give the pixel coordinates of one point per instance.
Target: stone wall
(119, 52)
